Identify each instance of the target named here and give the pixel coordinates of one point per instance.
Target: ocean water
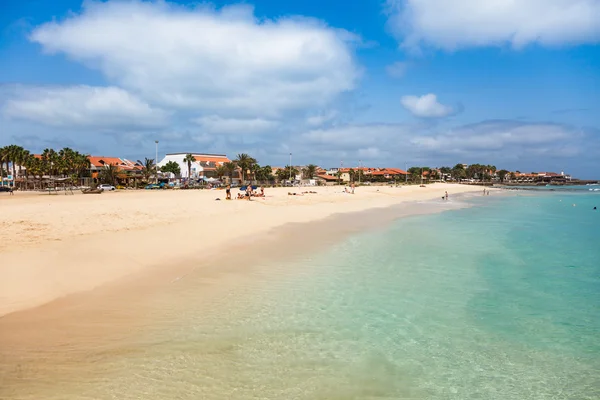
(497, 301)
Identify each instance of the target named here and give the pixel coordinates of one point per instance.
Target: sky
(391, 83)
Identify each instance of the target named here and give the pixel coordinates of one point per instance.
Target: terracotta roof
(103, 161)
(328, 177)
(213, 159)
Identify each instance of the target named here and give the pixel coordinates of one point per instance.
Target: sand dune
(51, 246)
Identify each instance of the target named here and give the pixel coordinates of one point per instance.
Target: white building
(203, 167)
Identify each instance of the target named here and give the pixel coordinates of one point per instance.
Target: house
(326, 179)
(204, 167)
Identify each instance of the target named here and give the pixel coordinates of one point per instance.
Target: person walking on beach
(249, 192)
(352, 187)
(228, 192)
(446, 195)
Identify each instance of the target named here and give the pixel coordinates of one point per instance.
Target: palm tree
(230, 169)
(149, 167)
(265, 173)
(220, 171)
(309, 171)
(3, 160)
(245, 162)
(108, 174)
(189, 159)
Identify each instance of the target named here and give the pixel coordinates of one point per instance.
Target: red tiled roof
(328, 177)
(103, 161)
(213, 159)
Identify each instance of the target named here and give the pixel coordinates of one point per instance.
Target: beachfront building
(204, 167)
(366, 174)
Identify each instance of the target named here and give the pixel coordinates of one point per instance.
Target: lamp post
(290, 167)
(156, 161)
(406, 170)
(359, 162)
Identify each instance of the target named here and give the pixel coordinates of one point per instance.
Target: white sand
(52, 246)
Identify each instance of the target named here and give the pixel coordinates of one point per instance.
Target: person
(446, 195)
(484, 191)
(262, 191)
(249, 192)
(228, 192)
(352, 187)
(594, 208)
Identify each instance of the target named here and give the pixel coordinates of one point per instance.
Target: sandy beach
(53, 246)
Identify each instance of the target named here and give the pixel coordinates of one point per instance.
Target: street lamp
(406, 175)
(358, 172)
(156, 161)
(290, 167)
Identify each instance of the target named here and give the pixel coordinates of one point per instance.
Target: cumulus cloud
(517, 137)
(397, 69)
(506, 143)
(80, 106)
(216, 124)
(451, 25)
(354, 136)
(321, 118)
(426, 106)
(224, 62)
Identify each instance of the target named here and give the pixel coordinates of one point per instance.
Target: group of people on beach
(351, 191)
(486, 192)
(249, 193)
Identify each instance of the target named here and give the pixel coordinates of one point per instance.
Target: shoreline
(117, 315)
(42, 268)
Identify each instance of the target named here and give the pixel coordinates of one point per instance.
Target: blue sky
(433, 82)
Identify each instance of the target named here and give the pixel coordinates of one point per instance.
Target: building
(368, 174)
(204, 167)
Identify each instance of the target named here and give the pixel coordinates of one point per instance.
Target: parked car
(106, 187)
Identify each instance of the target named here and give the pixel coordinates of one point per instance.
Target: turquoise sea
(497, 301)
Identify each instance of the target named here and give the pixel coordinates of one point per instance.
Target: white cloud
(506, 143)
(224, 62)
(397, 69)
(80, 106)
(320, 119)
(216, 124)
(354, 136)
(458, 24)
(513, 138)
(426, 106)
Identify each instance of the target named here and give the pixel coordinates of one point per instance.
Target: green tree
(264, 174)
(3, 160)
(149, 168)
(458, 172)
(172, 167)
(108, 174)
(502, 174)
(310, 171)
(189, 159)
(230, 169)
(286, 173)
(220, 171)
(245, 162)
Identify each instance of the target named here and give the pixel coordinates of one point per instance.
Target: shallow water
(498, 301)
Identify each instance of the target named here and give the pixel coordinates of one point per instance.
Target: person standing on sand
(249, 192)
(352, 187)
(446, 195)
(228, 192)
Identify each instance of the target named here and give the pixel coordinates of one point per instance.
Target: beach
(392, 294)
(55, 245)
